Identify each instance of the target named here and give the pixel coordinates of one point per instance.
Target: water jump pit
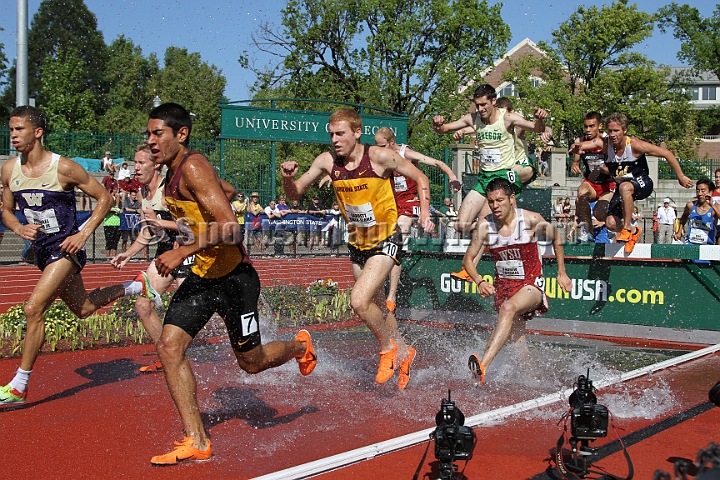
(108, 419)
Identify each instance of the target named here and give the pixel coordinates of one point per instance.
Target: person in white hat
(666, 218)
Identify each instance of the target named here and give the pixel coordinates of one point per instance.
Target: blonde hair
(618, 118)
(386, 133)
(347, 115)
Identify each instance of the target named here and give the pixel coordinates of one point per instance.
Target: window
(507, 91)
(708, 93)
(694, 93)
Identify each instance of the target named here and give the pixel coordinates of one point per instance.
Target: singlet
(213, 262)
(496, 145)
(405, 189)
(594, 160)
(517, 257)
(626, 165)
(44, 202)
(366, 201)
(156, 203)
(520, 149)
(701, 228)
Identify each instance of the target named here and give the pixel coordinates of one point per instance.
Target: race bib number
(416, 210)
(46, 219)
(510, 269)
(489, 157)
(390, 249)
(189, 260)
(540, 283)
(511, 176)
(360, 215)
(698, 236)
(400, 183)
(249, 324)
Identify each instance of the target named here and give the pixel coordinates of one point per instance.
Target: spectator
(112, 186)
(124, 172)
(451, 215)
(567, 210)
(239, 206)
(130, 205)
(107, 164)
(272, 213)
(543, 166)
(636, 217)
(292, 229)
(255, 233)
(558, 212)
(111, 228)
(317, 211)
(127, 185)
(656, 225)
(334, 230)
(666, 217)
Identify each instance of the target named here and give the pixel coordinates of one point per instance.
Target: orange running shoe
(387, 364)
(634, 237)
(477, 368)
(155, 367)
(308, 360)
(462, 275)
(183, 451)
(404, 374)
(390, 305)
(625, 236)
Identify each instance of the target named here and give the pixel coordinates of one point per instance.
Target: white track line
(365, 453)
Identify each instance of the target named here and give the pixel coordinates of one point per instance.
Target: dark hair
(504, 102)
(706, 181)
(174, 116)
(618, 118)
(34, 116)
(594, 116)
(500, 184)
(485, 91)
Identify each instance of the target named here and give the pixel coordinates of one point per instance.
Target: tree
(406, 56)
(70, 104)
(197, 86)
(64, 25)
(3, 63)
(129, 98)
(700, 37)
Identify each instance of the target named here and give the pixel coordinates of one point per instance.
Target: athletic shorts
(601, 188)
(391, 247)
(505, 289)
(643, 187)
(185, 268)
(484, 178)
(234, 297)
(408, 209)
(46, 256)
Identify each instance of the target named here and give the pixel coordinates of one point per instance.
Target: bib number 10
(390, 249)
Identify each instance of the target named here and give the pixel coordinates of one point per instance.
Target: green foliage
(404, 56)
(3, 63)
(700, 37)
(69, 105)
(293, 305)
(67, 25)
(129, 97)
(197, 86)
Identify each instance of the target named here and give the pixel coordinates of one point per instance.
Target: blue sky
(221, 29)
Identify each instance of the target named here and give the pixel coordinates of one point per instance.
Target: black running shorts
(234, 297)
(392, 247)
(643, 187)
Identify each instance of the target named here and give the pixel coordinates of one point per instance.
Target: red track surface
(92, 415)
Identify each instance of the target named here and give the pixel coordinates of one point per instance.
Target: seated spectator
(124, 172)
(107, 164)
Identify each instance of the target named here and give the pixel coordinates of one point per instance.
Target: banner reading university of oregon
(273, 124)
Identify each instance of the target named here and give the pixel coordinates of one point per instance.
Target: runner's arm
(414, 156)
(294, 189)
(640, 146)
(677, 235)
(478, 243)
(440, 127)
(393, 161)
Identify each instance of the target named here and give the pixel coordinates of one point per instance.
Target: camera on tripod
(588, 420)
(453, 440)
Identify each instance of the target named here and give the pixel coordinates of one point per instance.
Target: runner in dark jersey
(222, 280)
(626, 162)
(597, 185)
(41, 184)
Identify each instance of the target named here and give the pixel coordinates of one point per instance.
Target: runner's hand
(289, 169)
(324, 180)
(685, 181)
(119, 260)
(485, 289)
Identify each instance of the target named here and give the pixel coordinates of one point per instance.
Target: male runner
(701, 216)
(597, 185)
(361, 178)
(222, 279)
(496, 133)
(405, 191)
(627, 164)
(519, 288)
(42, 184)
